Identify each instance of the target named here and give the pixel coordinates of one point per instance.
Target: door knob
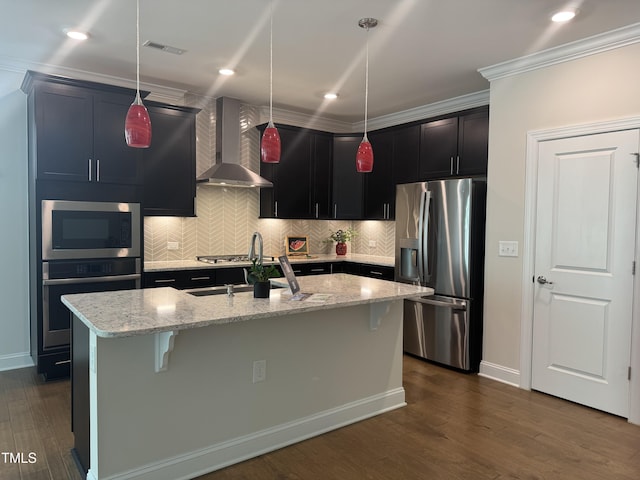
(542, 281)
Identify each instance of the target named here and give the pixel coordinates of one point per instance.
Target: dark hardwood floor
(455, 426)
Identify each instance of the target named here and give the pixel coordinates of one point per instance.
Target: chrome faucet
(252, 248)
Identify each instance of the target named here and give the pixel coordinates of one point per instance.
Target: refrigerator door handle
(421, 235)
(423, 248)
(452, 304)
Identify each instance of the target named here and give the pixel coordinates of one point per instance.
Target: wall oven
(79, 276)
(85, 247)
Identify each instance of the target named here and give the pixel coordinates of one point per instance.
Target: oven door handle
(71, 281)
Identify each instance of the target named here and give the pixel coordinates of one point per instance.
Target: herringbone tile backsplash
(227, 217)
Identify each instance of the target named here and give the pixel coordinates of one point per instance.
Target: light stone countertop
(144, 311)
(168, 265)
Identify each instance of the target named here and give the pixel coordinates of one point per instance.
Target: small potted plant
(340, 237)
(259, 276)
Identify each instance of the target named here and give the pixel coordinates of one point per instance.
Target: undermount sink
(222, 289)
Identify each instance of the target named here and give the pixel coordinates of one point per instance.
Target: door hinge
(633, 267)
(637, 155)
(629, 374)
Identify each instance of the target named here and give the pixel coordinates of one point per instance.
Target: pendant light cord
(366, 86)
(138, 51)
(271, 65)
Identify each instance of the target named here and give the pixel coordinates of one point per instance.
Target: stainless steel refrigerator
(440, 244)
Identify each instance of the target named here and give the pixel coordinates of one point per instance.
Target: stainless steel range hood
(227, 171)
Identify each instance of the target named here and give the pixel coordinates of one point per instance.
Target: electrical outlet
(372, 243)
(259, 371)
(507, 248)
(173, 245)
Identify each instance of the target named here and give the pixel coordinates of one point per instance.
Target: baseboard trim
(500, 373)
(227, 453)
(15, 361)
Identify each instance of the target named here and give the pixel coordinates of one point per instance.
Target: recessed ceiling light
(563, 16)
(330, 96)
(77, 35)
(226, 71)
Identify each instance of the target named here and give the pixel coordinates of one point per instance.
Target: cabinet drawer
(376, 271)
(56, 365)
(161, 279)
(199, 278)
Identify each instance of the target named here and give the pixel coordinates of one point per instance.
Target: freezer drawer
(437, 328)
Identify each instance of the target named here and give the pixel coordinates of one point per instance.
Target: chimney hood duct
(227, 172)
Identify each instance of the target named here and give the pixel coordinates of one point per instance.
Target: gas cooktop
(228, 258)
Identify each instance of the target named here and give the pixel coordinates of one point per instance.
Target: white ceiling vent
(164, 48)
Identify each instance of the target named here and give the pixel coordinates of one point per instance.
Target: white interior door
(584, 250)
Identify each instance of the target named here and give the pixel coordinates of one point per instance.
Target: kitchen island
(167, 385)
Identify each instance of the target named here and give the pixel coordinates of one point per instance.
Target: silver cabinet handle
(317, 269)
(458, 164)
(335, 210)
(62, 362)
(374, 272)
(316, 210)
(451, 165)
(89, 169)
(543, 281)
(164, 280)
(193, 279)
(275, 213)
(97, 170)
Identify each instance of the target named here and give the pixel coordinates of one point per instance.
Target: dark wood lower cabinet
(80, 424)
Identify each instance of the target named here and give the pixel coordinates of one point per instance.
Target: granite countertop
(144, 311)
(318, 258)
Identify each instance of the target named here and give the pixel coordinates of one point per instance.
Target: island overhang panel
(325, 368)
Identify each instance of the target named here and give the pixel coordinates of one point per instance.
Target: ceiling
(421, 52)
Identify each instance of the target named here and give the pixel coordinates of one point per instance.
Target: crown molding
(451, 105)
(603, 42)
(304, 120)
(159, 93)
(463, 102)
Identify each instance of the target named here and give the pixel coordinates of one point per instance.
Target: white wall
(600, 87)
(14, 256)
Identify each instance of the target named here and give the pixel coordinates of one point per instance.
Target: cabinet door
(473, 141)
(169, 163)
(438, 148)
(406, 153)
(64, 126)
(268, 195)
(347, 182)
(379, 188)
(293, 175)
(322, 156)
(115, 162)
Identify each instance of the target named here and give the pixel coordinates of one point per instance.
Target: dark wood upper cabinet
(473, 143)
(406, 153)
(455, 146)
(348, 184)
(77, 131)
(169, 164)
(379, 188)
(302, 178)
(396, 152)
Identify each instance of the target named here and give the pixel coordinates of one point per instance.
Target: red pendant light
(364, 156)
(137, 124)
(270, 144)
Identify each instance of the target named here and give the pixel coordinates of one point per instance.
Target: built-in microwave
(73, 230)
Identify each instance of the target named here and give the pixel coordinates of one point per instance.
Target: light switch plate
(173, 245)
(507, 248)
